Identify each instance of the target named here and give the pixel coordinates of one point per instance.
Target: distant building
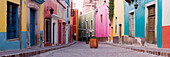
(89, 5)
(86, 25)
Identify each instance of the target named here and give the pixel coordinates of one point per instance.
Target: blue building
(67, 19)
(143, 22)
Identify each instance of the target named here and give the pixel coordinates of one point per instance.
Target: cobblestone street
(81, 49)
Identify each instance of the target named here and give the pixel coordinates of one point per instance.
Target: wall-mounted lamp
(51, 11)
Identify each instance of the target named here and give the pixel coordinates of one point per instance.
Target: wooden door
(32, 27)
(151, 24)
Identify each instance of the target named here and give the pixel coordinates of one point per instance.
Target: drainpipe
(19, 33)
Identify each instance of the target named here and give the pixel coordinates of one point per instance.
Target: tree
(111, 9)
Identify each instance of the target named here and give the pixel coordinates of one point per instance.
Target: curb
(36, 52)
(145, 50)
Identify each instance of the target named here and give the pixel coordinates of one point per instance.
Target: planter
(93, 43)
(87, 42)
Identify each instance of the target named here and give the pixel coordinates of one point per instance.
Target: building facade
(102, 28)
(54, 23)
(86, 25)
(143, 26)
(18, 30)
(117, 27)
(89, 5)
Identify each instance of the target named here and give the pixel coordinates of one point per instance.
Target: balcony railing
(39, 1)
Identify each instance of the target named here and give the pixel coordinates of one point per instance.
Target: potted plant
(93, 43)
(87, 41)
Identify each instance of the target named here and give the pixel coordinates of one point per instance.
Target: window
(91, 24)
(101, 17)
(115, 25)
(12, 20)
(86, 24)
(67, 11)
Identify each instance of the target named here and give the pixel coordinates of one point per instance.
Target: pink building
(102, 22)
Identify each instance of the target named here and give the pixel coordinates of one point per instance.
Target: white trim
(165, 24)
(146, 17)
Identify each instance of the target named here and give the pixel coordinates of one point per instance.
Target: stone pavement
(80, 49)
(155, 51)
(32, 51)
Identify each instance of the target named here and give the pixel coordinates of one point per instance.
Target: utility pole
(20, 30)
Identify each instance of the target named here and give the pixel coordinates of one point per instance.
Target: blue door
(32, 27)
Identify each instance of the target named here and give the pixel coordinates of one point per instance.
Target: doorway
(151, 25)
(132, 24)
(48, 31)
(32, 27)
(54, 32)
(60, 42)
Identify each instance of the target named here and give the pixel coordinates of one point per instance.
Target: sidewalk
(155, 51)
(33, 51)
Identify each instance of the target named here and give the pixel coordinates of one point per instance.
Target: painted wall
(75, 24)
(47, 6)
(140, 19)
(119, 13)
(11, 45)
(82, 19)
(102, 27)
(165, 24)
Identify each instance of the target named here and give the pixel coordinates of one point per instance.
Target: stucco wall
(11, 45)
(140, 19)
(102, 28)
(119, 13)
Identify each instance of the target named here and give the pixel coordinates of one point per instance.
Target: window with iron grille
(12, 20)
(115, 25)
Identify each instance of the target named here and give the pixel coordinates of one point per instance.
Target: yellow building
(117, 28)
(14, 28)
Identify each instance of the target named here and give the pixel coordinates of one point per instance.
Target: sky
(79, 4)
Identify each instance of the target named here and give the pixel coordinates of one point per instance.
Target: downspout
(20, 25)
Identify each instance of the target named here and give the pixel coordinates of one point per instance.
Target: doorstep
(155, 51)
(32, 51)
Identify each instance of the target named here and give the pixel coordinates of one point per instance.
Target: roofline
(61, 4)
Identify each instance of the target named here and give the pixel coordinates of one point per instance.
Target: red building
(54, 23)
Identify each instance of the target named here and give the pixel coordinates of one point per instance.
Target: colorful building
(54, 23)
(143, 25)
(17, 29)
(117, 27)
(75, 24)
(71, 21)
(34, 23)
(86, 25)
(102, 28)
(67, 20)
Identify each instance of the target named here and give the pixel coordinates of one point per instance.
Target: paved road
(81, 49)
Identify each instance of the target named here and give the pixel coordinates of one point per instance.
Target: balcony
(39, 1)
